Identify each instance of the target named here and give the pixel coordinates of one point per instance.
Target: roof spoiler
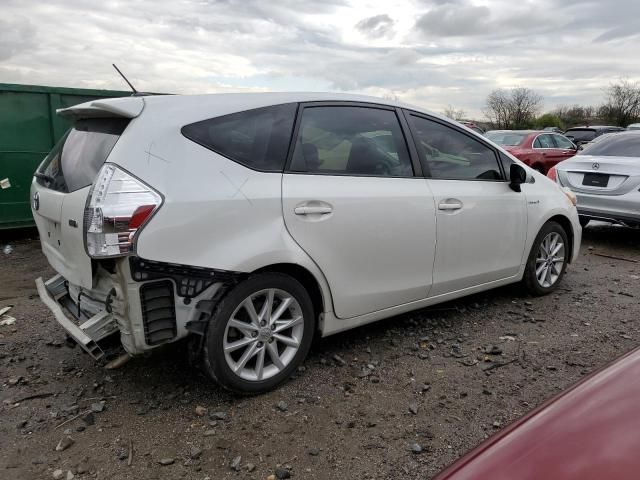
(127, 107)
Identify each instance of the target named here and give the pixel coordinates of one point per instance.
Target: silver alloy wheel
(263, 334)
(550, 260)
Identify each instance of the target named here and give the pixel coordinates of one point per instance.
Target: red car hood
(589, 432)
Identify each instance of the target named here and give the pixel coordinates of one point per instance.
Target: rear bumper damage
(147, 303)
(86, 331)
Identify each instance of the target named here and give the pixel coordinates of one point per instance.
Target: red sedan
(538, 149)
(589, 432)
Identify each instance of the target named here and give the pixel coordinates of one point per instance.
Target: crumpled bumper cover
(86, 331)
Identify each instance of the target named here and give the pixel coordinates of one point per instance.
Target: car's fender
(546, 200)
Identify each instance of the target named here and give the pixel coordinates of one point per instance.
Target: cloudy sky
(427, 52)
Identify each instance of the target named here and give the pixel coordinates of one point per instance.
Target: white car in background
(252, 222)
(605, 177)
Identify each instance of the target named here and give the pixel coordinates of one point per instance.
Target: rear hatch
(598, 175)
(61, 186)
(581, 135)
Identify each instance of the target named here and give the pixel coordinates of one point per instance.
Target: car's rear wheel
(259, 333)
(547, 260)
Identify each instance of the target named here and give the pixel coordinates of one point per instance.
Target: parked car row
(605, 174)
(539, 149)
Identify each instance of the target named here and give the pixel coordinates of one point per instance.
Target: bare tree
(515, 108)
(453, 113)
(524, 106)
(497, 109)
(622, 105)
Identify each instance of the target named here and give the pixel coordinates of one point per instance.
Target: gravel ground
(437, 381)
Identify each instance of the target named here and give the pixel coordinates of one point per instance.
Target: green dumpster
(29, 128)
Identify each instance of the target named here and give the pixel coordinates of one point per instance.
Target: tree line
(521, 108)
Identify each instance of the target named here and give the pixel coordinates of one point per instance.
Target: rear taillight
(552, 174)
(118, 206)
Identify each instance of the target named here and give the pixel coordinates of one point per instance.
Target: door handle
(450, 204)
(310, 210)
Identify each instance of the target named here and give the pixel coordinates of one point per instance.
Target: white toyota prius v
(253, 222)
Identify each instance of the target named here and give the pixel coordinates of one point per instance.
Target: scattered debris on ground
(401, 398)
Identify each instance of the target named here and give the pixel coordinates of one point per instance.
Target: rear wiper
(45, 177)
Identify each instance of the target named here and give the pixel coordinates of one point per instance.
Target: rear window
(509, 139)
(76, 159)
(620, 145)
(258, 138)
(584, 135)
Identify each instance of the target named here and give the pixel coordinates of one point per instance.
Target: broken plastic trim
(190, 281)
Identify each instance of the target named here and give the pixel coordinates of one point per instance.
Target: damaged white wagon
(254, 222)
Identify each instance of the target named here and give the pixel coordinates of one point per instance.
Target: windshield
(620, 145)
(584, 135)
(76, 159)
(507, 138)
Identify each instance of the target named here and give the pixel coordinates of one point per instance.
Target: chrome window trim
(551, 148)
(567, 139)
(533, 147)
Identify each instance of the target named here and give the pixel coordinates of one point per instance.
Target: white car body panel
(475, 245)
(222, 215)
(376, 247)
(63, 244)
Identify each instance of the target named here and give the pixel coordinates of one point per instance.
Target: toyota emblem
(36, 201)
(595, 166)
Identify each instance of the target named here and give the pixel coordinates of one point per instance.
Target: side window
(451, 154)
(563, 142)
(257, 138)
(544, 141)
(337, 140)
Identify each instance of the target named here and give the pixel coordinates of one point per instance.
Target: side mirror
(518, 176)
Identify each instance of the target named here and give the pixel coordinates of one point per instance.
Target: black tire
(214, 357)
(530, 279)
(584, 221)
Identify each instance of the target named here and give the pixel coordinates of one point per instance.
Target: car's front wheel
(259, 333)
(547, 260)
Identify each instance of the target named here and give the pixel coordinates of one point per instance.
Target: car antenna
(135, 92)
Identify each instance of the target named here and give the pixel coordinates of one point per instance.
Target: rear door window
(623, 145)
(544, 141)
(76, 159)
(258, 138)
(563, 142)
(346, 140)
(581, 135)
